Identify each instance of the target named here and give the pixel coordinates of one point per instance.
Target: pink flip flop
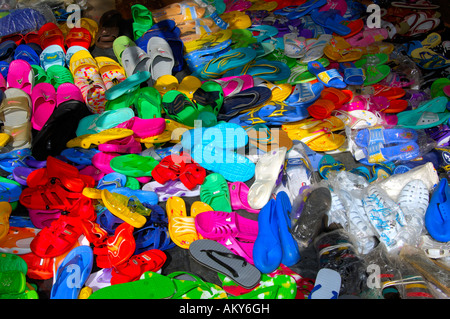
(143, 128)
(217, 225)
(339, 5)
(238, 197)
(43, 218)
(378, 103)
(101, 161)
(20, 76)
(68, 91)
(127, 145)
(234, 84)
(43, 98)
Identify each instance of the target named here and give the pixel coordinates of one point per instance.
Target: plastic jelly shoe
(291, 253)
(437, 216)
(267, 250)
(5, 212)
(122, 245)
(117, 204)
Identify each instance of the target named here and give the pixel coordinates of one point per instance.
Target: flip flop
(245, 99)
(304, 94)
(235, 58)
(327, 285)
(162, 288)
(217, 257)
(81, 257)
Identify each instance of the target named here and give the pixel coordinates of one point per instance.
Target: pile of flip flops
(239, 134)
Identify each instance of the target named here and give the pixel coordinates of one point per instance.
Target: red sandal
(38, 267)
(57, 239)
(49, 197)
(66, 173)
(192, 175)
(151, 260)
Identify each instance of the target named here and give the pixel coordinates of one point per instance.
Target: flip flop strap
(233, 271)
(177, 105)
(206, 98)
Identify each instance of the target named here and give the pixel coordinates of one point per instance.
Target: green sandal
(40, 76)
(59, 74)
(152, 286)
(142, 20)
(120, 44)
(242, 38)
(215, 192)
(209, 97)
(148, 103)
(180, 108)
(190, 286)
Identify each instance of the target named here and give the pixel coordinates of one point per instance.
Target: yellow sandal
(182, 229)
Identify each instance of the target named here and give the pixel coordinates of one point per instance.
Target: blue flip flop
(437, 217)
(291, 252)
(96, 123)
(305, 8)
(263, 32)
(26, 53)
(267, 249)
(145, 197)
(111, 181)
(304, 94)
(236, 58)
(198, 58)
(72, 273)
(329, 78)
(79, 155)
(234, 167)
(278, 113)
(52, 55)
(332, 20)
(327, 164)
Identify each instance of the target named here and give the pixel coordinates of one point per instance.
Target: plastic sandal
(267, 251)
(117, 204)
(216, 225)
(214, 192)
(267, 170)
(369, 136)
(179, 107)
(18, 240)
(38, 268)
(238, 197)
(82, 257)
(162, 288)
(436, 216)
(327, 285)
(131, 270)
(181, 226)
(58, 238)
(188, 285)
(217, 257)
(329, 78)
(5, 212)
(171, 188)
